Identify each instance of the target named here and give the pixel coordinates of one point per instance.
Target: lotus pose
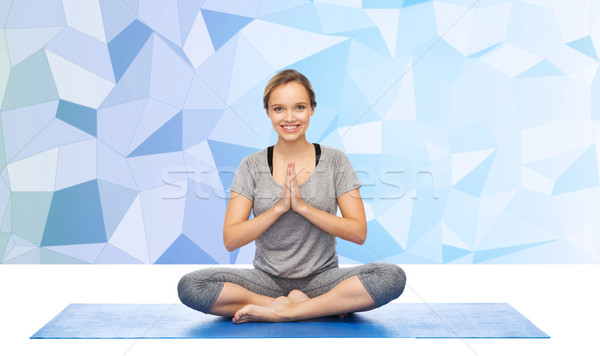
(295, 188)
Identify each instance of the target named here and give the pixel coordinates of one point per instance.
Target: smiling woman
(295, 189)
(289, 110)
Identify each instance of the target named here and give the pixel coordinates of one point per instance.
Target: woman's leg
(348, 296)
(223, 291)
(335, 291)
(233, 297)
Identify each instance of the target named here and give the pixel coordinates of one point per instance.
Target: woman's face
(289, 110)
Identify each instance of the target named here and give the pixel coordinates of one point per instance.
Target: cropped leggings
(200, 289)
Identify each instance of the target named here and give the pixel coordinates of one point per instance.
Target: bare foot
(274, 312)
(297, 296)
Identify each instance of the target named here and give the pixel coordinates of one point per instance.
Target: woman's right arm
(238, 231)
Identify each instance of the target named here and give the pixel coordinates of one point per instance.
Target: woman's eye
(278, 109)
(300, 107)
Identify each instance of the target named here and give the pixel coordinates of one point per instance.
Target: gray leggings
(200, 289)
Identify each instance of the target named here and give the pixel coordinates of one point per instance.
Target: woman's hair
(284, 77)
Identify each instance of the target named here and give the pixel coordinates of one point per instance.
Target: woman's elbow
(228, 242)
(362, 235)
(229, 247)
(362, 239)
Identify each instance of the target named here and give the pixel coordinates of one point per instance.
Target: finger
(287, 175)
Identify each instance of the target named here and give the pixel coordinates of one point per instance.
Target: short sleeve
(345, 177)
(243, 181)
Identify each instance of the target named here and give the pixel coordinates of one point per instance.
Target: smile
(290, 128)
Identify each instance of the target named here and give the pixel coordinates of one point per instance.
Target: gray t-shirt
(293, 247)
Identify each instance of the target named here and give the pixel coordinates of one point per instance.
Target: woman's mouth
(290, 128)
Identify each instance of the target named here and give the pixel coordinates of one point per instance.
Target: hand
(284, 204)
(295, 194)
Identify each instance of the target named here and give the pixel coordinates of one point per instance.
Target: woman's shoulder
(331, 152)
(256, 157)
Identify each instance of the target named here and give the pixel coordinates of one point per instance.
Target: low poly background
(473, 125)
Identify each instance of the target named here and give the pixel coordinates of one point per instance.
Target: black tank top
(270, 156)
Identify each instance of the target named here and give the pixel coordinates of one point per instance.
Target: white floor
(562, 300)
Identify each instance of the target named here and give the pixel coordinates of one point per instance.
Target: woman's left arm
(351, 226)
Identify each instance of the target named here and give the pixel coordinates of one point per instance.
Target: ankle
(291, 312)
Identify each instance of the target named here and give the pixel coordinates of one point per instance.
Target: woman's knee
(398, 277)
(198, 291)
(185, 287)
(392, 279)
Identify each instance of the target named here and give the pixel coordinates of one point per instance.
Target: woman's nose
(289, 116)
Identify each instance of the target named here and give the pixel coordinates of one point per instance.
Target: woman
(295, 188)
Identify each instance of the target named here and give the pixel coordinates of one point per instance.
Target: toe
(238, 314)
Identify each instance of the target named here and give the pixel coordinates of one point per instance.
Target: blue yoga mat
(402, 320)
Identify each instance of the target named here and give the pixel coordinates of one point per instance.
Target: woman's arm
(238, 231)
(351, 226)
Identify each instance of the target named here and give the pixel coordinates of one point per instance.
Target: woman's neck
(292, 149)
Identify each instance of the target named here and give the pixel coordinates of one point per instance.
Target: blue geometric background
(474, 126)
